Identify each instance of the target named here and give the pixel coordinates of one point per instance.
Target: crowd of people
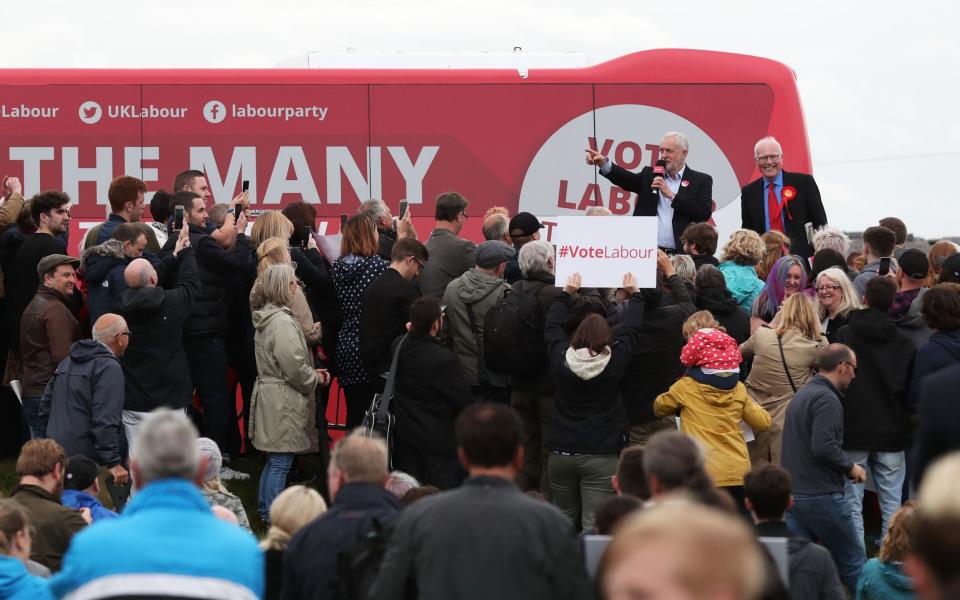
(751, 395)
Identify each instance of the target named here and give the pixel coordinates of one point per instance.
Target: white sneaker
(228, 474)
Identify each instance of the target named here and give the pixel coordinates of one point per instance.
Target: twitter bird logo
(90, 112)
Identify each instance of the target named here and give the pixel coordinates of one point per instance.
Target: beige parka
(280, 405)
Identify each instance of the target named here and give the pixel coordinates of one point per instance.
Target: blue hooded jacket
(17, 584)
(166, 543)
(884, 580)
(79, 499)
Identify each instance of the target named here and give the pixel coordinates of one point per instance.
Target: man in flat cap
(47, 329)
(467, 300)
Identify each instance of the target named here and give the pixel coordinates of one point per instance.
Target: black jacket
(154, 365)
(874, 404)
(588, 414)
(692, 204)
(812, 438)
(310, 561)
(85, 397)
(720, 303)
(938, 426)
(805, 208)
(655, 364)
(430, 391)
(834, 326)
(485, 540)
(222, 273)
(383, 317)
(314, 271)
(21, 280)
(813, 574)
(704, 259)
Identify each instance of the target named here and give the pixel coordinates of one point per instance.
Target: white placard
(603, 249)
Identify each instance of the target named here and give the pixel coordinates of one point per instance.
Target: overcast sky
(878, 81)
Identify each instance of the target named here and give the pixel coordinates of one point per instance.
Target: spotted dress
(351, 276)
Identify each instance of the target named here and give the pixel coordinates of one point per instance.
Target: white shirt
(665, 238)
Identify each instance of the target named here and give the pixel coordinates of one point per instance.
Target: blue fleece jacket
(17, 584)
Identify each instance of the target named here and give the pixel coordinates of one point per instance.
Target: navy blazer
(805, 208)
(692, 204)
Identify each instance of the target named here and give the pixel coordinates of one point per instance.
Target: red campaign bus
(335, 137)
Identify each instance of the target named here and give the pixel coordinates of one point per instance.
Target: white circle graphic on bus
(90, 112)
(214, 111)
(559, 182)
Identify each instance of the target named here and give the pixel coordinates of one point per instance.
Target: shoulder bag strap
(786, 369)
(385, 398)
(478, 336)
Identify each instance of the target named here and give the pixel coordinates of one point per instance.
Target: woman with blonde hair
(268, 225)
(280, 420)
(738, 265)
(291, 510)
(776, 246)
(274, 251)
(784, 354)
(883, 577)
(18, 576)
(835, 300)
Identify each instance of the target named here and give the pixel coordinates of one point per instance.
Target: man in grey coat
(450, 255)
(485, 539)
(468, 298)
(85, 396)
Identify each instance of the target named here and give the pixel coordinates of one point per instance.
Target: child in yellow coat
(711, 401)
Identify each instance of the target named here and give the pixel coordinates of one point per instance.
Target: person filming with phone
(206, 328)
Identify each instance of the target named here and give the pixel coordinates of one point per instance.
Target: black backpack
(359, 563)
(513, 334)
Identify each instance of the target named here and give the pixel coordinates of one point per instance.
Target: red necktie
(773, 209)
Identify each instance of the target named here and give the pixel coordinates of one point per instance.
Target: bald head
(111, 330)
(140, 274)
(108, 326)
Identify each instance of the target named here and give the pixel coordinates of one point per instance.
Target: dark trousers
(535, 408)
(207, 357)
(485, 392)
(359, 396)
(440, 470)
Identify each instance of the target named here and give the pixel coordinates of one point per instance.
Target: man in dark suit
(781, 201)
(681, 197)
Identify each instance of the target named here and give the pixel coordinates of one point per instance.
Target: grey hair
(598, 211)
(375, 208)
(762, 140)
(681, 139)
(275, 284)
(534, 257)
(165, 447)
(685, 267)
(210, 450)
(102, 333)
(831, 237)
(399, 483)
(495, 226)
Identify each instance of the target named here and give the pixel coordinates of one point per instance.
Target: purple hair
(774, 289)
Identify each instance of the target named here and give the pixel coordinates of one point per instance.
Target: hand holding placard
(573, 284)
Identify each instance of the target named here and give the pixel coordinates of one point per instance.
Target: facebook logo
(214, 111)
